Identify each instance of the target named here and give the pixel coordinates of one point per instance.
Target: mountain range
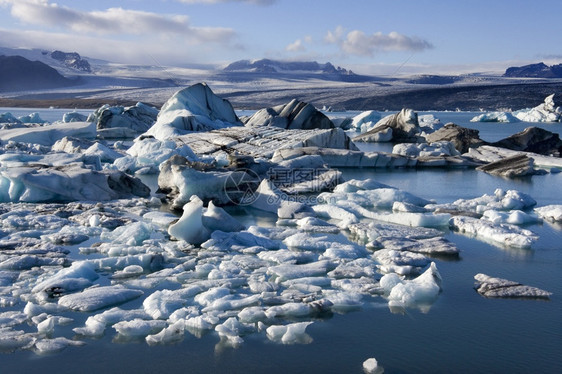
(540, 70)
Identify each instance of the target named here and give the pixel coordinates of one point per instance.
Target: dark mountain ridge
(540, 70)
(19, 74)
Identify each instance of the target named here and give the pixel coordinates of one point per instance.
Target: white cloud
(257, 2)
(296, 46)
(359, 43)
(116, 21)
(138, 51)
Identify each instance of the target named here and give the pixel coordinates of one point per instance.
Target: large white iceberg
(545, 112)
(195, 108)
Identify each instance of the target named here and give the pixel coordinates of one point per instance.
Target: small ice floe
(98, 297)
(78, 276)
(293, 333)
(365, 121)
(420, 292)
(11, 340)
(495, 117)
(190, 226)
(371, 366)
(503, 234)
(162, 303)
(172, 334)
(501, 200)
(551, 213)
(232, 330)
(442, 148)
(139, 327)
(46, 346)
(515, 217)
(488, 286)
(400, 262)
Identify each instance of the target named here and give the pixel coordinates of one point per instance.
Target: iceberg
(289, 334)
(98, 297)
(49, 134)
(190, 226)
(195, 108)
(503, 234)
(495, 117)
(552, 213)
(488, 286)
(420, 291)
(545, 112)
(293, 115)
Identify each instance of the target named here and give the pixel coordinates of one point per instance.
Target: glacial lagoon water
(462, 332)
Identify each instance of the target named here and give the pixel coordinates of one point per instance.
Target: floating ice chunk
(252, 314)
(161, 304)
(208, 297)
(161, 219)
(552, 213)
(32, 118)
(331, 211)
(133, 234)
(500, 200)
(497, 287)
(515, 217)
(11, 340)
(355, 185)
(128, 271)
(294, 333)
(545, 112)
(288, 310)
(228, 303)
(27, 262)
(231, 329)
(429, 123)
(365, 121)
(195, 108)
(200, 323)
(443, 148)
(267, 197)
(216, 218)
(98, 297)
(46, 346)
(388, 281)
(171, 334)
(12, 318)
(371, 366)
(415, 219)
(46, 326)
(503, 234)
(190, 226)
(49, 134)
(285, 272)
(400, 258)
(92, 328)
(76, 277)
(421, 290)
(495, 117)
(380, 197)
(74, 117)
(139, 327)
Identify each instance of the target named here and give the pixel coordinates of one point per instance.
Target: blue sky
(368, 36)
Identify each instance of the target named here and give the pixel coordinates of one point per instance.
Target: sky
(390, 37)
